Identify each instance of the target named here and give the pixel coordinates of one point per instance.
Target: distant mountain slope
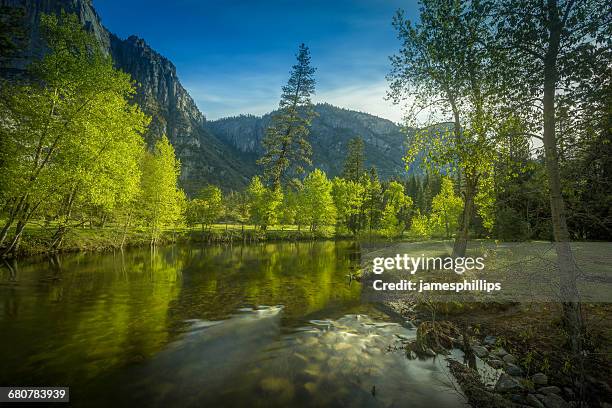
(329, 136)
(204, 158)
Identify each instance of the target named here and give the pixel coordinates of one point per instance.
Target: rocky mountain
(204, 158)
(224, 151)
(330, 133)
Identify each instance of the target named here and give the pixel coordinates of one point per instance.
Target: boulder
(480, 351)
(496, 363)
(509, 359)
(539, 379)
(533, 401)
(514, 370)
(500, 352)
(554, 401)
(552, 389)
(490, 340)
(506, 383)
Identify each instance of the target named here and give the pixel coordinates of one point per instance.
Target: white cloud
(369, 99)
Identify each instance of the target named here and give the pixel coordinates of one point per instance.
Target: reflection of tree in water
(10, 273)
(98, 312)
(302, 276)
(104, 310)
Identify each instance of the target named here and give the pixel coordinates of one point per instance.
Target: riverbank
(525, 345)
(37, 238)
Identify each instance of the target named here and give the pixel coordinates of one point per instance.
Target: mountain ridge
(223, 151)
(330, 133)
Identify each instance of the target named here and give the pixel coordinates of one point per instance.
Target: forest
(74, 154)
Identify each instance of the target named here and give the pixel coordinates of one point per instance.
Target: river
(274, 324)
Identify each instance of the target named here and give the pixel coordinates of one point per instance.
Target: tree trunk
(572, 317)
(456, 130)
(125, 229)
(462, 237)
(59, 235)
(11, 219)
(14, 244)
(5, 229)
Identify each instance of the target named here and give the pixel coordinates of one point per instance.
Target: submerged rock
(342, 346)
(310, 387)
(282, 387)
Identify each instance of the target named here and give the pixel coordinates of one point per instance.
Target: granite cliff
(204, 158)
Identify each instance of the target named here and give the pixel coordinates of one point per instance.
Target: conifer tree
(285, 142)
(373, 202)
(353, 165)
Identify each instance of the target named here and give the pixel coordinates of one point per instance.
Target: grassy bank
(37, 237)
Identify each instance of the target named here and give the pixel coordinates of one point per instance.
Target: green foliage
(373, 202)
(396, 212)
(348, 196)
(446, 57)
(420, 226)
(162, 202)
(485, 199)
(12, 31)
(71, 141)
(207, 207)
(285, 142)
(264, 203)
(289, 208)
(446, 208)
(353, 165)
(316, 202)
(238, 207)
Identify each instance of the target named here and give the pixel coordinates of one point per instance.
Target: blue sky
(234, 56)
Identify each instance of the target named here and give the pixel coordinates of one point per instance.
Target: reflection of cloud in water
(246, 361)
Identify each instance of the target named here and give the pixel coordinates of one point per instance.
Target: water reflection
(186, 326)
(73, 317)
(246, 361)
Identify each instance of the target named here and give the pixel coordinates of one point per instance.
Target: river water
(275, 324)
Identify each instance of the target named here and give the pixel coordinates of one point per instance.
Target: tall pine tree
(353, 165)
(285, 143)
